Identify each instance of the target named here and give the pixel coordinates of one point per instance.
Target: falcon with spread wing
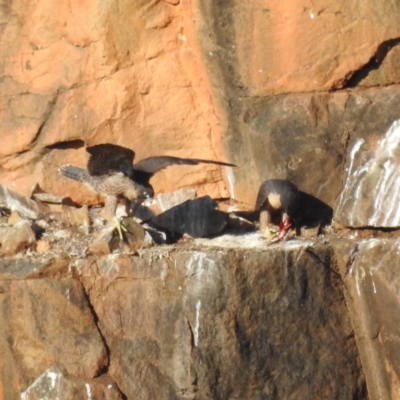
(109, 174)
(277, 197)
(112, 174)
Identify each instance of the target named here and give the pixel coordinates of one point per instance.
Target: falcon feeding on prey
(112, 174)
(277, 197)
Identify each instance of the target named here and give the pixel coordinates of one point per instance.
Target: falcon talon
(119, 228)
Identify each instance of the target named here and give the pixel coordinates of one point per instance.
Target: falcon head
(138, 192)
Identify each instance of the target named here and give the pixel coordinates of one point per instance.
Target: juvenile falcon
(277, 197)
(111, 173)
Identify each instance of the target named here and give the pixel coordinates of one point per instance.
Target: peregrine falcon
(111, 173)
(277, 197)
(108, 175)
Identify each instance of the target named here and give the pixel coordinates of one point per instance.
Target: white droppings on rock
(53, 376)
(49, 378)
(252, 240)
(88, 391)
(357, 285)
(197, 324)
(231, 179)
(198, 264)
(373, 282)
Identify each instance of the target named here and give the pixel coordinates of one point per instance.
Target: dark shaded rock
(286, 137)
(18, 239)
(309, 233)
(228, 324)
(197, 218)
(312, 212)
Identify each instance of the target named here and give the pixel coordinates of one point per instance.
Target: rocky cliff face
(214, 320)
(307, 91)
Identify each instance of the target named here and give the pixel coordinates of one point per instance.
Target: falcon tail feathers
(75, 173)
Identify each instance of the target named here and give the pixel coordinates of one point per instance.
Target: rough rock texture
(214, 321)
(96, 72)
(254, 51)
(370, 272)
(371, 189)
(209, 320)
(47, 321)
(276, 47)
(302, 90)
(18, 238)
(56, 383)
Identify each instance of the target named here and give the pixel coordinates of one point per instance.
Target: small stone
(42, 223)
(16, 202)
(309, 233)
(13, 218)
(48, 198)
(20, 237)
(104, 243)
(76, 216)
(42, 246)
(62, 234)
(56, 207)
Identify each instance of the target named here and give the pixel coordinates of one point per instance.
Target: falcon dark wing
(106, 159)
(146, 168)
(154, 164)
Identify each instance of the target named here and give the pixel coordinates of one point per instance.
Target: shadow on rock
(312, 212)
(196, 218)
